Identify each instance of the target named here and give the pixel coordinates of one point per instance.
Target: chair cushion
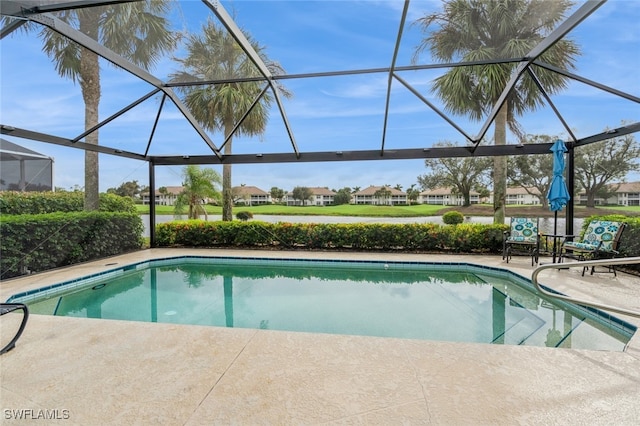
(601, 230)
(524, 230)
(522, 240)
(576, 246)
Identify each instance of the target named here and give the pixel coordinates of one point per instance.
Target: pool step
(519, 332)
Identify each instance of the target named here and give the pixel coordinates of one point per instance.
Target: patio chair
(600, 241)
(522, 238)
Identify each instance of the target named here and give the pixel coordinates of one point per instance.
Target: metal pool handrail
(602, 262)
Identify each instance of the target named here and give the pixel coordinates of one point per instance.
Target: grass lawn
(343, 210)
(626, 209)
(398, 211)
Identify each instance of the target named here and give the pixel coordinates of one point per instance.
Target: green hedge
(463, 238)
(16, 203)
(41, 242)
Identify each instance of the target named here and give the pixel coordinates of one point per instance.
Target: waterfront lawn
(398, 211)
(342, 210)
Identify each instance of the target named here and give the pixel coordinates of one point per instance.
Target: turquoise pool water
(451, 302)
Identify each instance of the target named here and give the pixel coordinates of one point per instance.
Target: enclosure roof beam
(536, 80)
(609, 134)
(363, 155)
(31, 7)
(396, 154)
(43, 137)
(391, 70)
(11, 27)
(433, 107)
(341, 73)
(591, 83)
(116, 115)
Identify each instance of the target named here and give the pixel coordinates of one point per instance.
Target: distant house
(519, 195)
(581, 199)
(368, 196)
(250, 195)
(319, 197)
(627, 194)
(443, 197)
(168, 199)
(624, 194)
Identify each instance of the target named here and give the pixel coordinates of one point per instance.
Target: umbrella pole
(555, 232)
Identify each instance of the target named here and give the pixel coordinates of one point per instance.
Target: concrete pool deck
(95, 372)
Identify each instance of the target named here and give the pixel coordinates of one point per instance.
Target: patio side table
(551, 245)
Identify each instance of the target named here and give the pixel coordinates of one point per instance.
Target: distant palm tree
(199, 185)
(137, 31)
(383, 195)
(215, 55)
(473, 30)
(413, 194)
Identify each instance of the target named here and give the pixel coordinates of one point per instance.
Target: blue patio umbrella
(558, 194)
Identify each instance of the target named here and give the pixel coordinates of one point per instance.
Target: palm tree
(137, 31)
(198, 186)
(413, 194)
(215, 55)
(383, 194)
(474, 30)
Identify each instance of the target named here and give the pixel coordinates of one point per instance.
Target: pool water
(450, 302)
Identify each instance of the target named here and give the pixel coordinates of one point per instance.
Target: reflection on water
(546, 224)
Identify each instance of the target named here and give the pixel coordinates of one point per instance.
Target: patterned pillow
(524, 229)
(601, 230)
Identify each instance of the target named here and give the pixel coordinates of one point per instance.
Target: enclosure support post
(152, 205)
(571, 186)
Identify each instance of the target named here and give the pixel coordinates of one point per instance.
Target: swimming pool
(415, 300)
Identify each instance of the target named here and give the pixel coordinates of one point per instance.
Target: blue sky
(326, 114)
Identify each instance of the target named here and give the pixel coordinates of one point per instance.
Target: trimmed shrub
(452, 218)
(427, 237)
(14, 202)
(244, 216)
(34, 243)
(116, 203)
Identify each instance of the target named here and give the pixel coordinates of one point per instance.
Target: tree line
(597, 168)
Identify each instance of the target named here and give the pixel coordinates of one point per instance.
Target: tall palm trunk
(90, 84)
(227, 196)
(500, 167)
